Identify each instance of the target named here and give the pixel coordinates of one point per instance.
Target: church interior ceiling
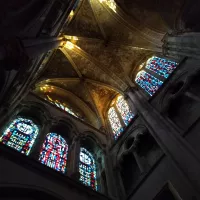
(98, 62)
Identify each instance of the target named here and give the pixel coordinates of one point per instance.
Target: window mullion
(119, 116)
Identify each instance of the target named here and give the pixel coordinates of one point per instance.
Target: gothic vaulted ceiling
(99, 60)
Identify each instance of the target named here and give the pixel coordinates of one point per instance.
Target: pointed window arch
(54, 152)
(63, 107)
(154, 71)
(161, 66)
(148, 82)
(87, 169)
(115, 122)
(20, 135)
(124, 110)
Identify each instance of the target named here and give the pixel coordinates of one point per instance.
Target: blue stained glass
(161, 66)
(148, 82)
(87, 169)
(124, 110)
(115, 123)
(20, 135)
(54, 152)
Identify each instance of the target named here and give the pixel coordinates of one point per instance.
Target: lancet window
(119, 115)
(87, 169)
(153, 72)
(54, 152)
(20, 135)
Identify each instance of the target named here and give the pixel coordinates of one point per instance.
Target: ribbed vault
(97, 63)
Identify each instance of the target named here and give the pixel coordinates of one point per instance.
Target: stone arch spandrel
(96, 140)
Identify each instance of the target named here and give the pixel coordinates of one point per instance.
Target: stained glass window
(124, 110)
(161, 66)
(62, 106)
(148, 82)
(115, 122)
(59, 105)
(20, 135)
(87, 169)
(73, 11)
(110, 3)
(54, 152)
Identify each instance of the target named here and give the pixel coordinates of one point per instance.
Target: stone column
(73, 159)
(103, 182)
(44, 130)
(99, 172)
(110, 178)
(119, 183)
(174, 146)
(182, 44)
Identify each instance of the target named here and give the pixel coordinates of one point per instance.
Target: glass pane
(54, 152)
(115, 122)
(87, 169)
(148, 82)
(124, 110)
(62, 106)
(20, 135)
(161, 66)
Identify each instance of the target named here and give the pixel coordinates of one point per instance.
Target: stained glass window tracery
(62, 106)
(148, 82)
(161, 66)
(115, 122)
(124, 110)
(54, 152)
(87, 169)
(20, 135)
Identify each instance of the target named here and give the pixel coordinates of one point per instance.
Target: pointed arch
(54, 152)
(76, 103)
(87, 169)
(115, 122)
(62, 106)
(148, 82)
(119, 115)
(124, 110)
(153, 73)
(161, 66)
(20, 135)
